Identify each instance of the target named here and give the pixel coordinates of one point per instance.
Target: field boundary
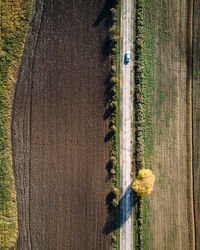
(189, 124)
(139, 106)
(15, 17)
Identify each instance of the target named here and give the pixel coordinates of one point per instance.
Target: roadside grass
(118, 128)
(148, 60)
(14, 23)
(144, 79)
(113, 136)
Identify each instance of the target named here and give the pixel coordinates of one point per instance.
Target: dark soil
(58, 129)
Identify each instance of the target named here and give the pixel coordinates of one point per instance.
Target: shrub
(113, 91)
(113, 105)
(143, 185)
(115, 203)
(115, 191)
(112, 171)
(113, 160)
(114, 80)
(113, 129)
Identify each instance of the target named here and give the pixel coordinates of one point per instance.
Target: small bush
(115, 203)
(113, 91)
(143, 185)
(113, 105)
(112, 171)
(114, 80)
(113, 160)
(115, 191)
(114, 129)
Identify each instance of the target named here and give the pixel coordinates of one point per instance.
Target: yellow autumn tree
(143, 185)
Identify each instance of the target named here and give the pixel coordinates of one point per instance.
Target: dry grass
(13, 27)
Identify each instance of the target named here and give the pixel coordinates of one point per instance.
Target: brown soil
(171, 203)
(58, 129)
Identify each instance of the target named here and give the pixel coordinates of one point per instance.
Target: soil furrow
(58, 129)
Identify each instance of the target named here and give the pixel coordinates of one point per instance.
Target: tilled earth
(58, 130)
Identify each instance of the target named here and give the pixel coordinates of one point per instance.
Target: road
(126, 114)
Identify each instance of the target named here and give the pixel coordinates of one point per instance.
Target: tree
(143, 185)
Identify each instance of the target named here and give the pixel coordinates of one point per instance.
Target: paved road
(126, 111)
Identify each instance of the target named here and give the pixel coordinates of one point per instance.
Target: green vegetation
(168, 116)
(117, 246)
(195, 73)
(139, 110)
(148, 60)
(14, 25)
(144, 64)
(165, 35)
(114, 121)
(160, 99)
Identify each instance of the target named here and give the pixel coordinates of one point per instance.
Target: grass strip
(113, 112)
(117, 185)
(139, 107)
(115, 121)
(144, 55)
(14, 21)
(148, 62)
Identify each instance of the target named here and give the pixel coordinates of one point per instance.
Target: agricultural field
(171, 124)
(61, 105)
(58, 129)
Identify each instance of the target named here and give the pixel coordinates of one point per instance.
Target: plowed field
(58, 129)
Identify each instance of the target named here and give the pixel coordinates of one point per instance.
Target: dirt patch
(58, 129)
(167, 129)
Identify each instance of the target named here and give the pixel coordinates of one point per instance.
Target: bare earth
(171, 211)
(58, 129)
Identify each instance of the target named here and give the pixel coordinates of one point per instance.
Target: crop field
(171, 123)
(61, 107)
(58, 129)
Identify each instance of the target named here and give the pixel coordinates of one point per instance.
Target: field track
(189, 126)
(196, 119)
(58, 130)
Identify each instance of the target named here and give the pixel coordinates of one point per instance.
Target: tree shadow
(107, 87)
(117, 216)
(105, 14)
(108, 167)
(107, 46)
(109, 135)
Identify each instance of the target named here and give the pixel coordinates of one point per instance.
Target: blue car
(127, 57)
